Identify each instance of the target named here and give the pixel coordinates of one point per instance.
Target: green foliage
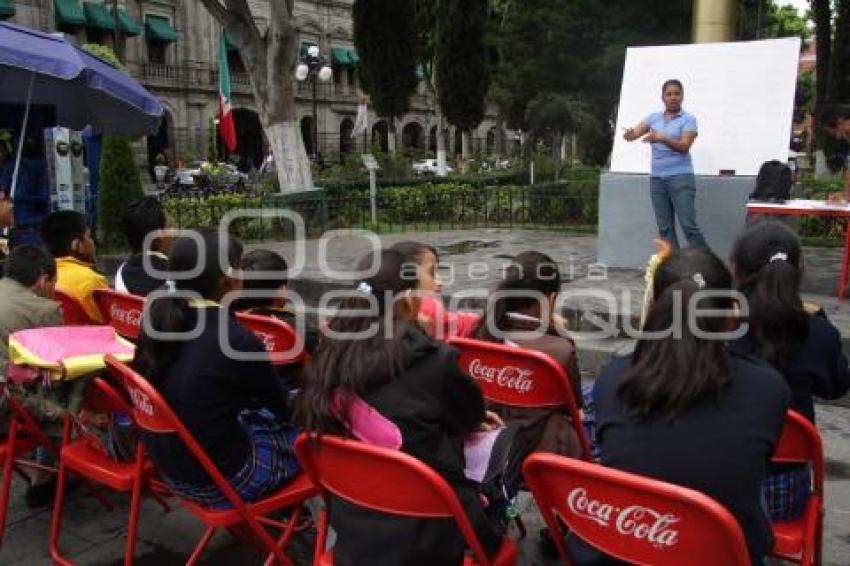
(385, 38)
(764, 19)
(103, 52)
(212, 141)
(839, 72)
(119, 184)
(463, 76)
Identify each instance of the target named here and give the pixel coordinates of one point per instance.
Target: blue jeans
(673, 197)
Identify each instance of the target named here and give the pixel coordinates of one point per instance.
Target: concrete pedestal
(627, 222)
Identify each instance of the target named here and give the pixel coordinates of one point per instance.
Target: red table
(801, 207)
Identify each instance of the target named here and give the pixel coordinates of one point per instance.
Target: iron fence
(562, 206)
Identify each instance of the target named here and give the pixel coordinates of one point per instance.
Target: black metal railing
(568, 206)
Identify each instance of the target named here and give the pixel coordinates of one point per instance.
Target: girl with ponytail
(234, 408)
(684, 409)
(524, 302)
(794, 337)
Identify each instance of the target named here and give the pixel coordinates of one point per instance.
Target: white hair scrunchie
(364, 288)
(778, 256)
(699, 280)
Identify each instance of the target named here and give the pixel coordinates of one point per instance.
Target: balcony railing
(191, 76)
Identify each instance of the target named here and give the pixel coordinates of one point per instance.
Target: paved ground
(94, 536)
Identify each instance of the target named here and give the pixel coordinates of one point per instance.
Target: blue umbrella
(47, 69)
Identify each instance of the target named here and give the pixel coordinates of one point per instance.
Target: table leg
(845, 260)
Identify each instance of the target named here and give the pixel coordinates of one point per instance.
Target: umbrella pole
(21, 139)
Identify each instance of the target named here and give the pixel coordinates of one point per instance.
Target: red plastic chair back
(72, 311)
(520, 377)
(122, 311)
(283, 344)
(387, 481)
(800, 442)
(636, 519)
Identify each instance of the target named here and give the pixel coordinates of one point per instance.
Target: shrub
(119, 184)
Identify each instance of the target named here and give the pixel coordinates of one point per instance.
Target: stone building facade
(172, 47)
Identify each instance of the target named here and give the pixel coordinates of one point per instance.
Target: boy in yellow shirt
(69, 240)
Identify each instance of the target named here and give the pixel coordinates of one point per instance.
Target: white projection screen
(741, 93)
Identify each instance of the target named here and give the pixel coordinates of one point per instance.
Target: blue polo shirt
(667, 161)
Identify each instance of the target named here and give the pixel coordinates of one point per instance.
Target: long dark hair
(169, 313)
(670, 374)
(530, 271)
(767, 260)
(351, 366)
(275, 269)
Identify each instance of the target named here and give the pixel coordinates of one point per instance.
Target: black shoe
(41, 494)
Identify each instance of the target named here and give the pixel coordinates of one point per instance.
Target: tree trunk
(574, 148)
(391, 137)
(499, 148)
(441, 144)
(286, 144)
(465, 145)
(822, 15)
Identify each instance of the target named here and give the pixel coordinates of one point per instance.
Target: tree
(551, 116)
(385, 38)
(763, 19)
(119, 184)
(839, 73)
(270, 56)
(461, 55)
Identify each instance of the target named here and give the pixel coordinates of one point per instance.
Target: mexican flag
(226, 126)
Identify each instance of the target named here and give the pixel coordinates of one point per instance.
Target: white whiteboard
(741, 93)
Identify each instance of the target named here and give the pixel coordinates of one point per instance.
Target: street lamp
(314, 69)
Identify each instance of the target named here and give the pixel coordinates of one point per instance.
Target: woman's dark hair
(672, 82)
(413, 252)
(767, 260)
(528, 271)
(349, 365)
(275, 269)
(670, 374)
(832, 113)
(140, 218)
(168, 313)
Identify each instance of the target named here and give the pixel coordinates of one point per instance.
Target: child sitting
(69, 240)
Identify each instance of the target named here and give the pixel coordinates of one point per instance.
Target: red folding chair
(281, 341)
(72, 311)
(387, 481)
(801, 540)
(153, 415)
(633, 518)
(122, 311)
(22, 436)
(85, 457)
(520, 377)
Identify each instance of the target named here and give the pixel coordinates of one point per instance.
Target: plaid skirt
(786, 491)
(271, 464)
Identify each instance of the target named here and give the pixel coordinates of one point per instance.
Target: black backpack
(773, 183)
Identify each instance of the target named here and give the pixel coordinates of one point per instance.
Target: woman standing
(672, 185)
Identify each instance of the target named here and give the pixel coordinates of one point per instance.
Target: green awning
(339, 56)
(158, 28)
(305, 45)
(98, 16)
(69, 12)
(7, 9)
(353, 57)
(229, 44)
(129, 25)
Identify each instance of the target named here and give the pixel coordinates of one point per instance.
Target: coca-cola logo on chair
(130, 316)
(510, 377)
(635, 521)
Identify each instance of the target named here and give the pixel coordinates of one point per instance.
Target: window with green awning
(7, 9)
(98, 16)
(158, 28)
(229, 44)
(339, 57)
(129, 25)
(353, 57)
(69, 13)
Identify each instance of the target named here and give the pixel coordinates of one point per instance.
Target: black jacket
(435, 405)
